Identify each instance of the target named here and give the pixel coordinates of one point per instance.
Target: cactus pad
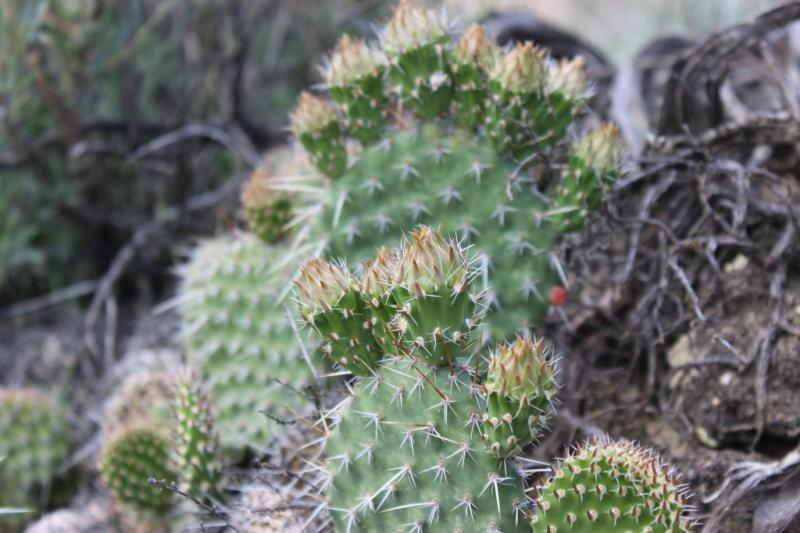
(238, 333)
(130, 458)
(614, 486)
(33, 442)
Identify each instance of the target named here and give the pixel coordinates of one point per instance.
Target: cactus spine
(412, 449)
(475, 180)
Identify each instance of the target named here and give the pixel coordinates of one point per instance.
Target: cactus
(33, 443)
(476, 180)
(130, 458)
(239, 336)
(413, 450)
(612, 486)
(197, 442)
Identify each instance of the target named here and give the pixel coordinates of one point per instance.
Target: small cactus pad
(521, 386)
(196, 439)
(315, 125)
(614, 487)
(130, 458)
(267, 211)
(239, 336)
(33, 441)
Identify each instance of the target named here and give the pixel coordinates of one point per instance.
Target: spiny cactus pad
(612, 486)
(129, 459)
(408, 456)
(33, 442)
(239, 334)
(411, 449)
(196, 439)
(469, 172)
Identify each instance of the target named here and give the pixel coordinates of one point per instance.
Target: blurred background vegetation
(112, 112)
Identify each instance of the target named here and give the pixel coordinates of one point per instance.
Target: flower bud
(520, 70)
(600, 149)
(411, 26)
(321, 285)
(311, 115)
(430, 262)
(522, 370)
(474, 46)
(568, 78)
(352, 60)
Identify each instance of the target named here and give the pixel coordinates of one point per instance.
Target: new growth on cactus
(197, 453)
(413, 449)
(471, 123)
(612, 486)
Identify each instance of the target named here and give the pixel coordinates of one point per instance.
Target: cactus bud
(521, 386)
(612, 486)
(412, 26)
(515, 122)
(414, 39)
(376, 285)
(595, 159)
(601, 150)
(474, 47)
(520, 70)
(314, 124)
(434, 277)
(321, 285)
(472, 57)
(354, 76)
(267, 210)
(568, 78)
(331, 302)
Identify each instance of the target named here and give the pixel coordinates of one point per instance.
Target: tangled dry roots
(701, 241)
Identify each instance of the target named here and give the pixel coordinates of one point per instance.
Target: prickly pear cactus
(197, 451)
(33, 443)
(239, 335)
(412, 450)
(472, 172)
(132, 456)
(612, 486)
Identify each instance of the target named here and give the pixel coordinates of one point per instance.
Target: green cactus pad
(408, 456)
(130, 458)
(612, 487)
(197, 443)
(33, 442)
(239, 335)
(458, 184)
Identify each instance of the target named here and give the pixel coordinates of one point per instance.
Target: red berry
(558, 295)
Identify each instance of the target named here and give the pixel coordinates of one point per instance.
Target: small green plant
(416, 447)
(33, 444)
(459, 135)
(612, 486)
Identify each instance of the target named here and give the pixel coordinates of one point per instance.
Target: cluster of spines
(612, 486)
(197, 448)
